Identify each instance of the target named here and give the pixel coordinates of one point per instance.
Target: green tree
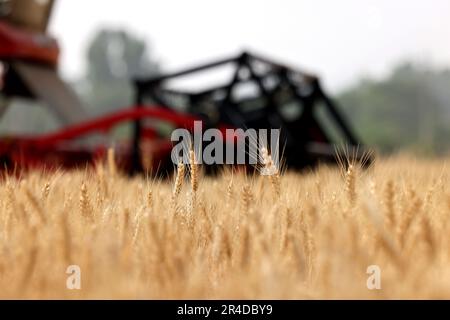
(114, 58)
(408, 109)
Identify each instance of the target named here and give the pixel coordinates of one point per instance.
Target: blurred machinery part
(261, 94)
(30, 56)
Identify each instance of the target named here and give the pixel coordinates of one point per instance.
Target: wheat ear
(271, 170)
(178, 181)
(194, 175)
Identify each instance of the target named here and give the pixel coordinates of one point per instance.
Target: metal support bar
(136, 165)
(339, 119)
(145, 83)
(298, 131)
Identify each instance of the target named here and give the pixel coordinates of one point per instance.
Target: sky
(341, 41)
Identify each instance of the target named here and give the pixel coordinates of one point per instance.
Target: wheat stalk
(247, 198)
(112, 168)
(350, 181)
(194, 175)
(179, 178)
(85, 204)
(272, 171)
(389, 196)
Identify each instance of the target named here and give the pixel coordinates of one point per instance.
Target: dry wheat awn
(136, 238)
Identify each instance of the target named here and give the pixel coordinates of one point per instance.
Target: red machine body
(17, 44)
(58, 150)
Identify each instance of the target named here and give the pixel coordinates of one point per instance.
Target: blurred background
(386, 63)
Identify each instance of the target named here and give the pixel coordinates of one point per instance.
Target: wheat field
(306, 235)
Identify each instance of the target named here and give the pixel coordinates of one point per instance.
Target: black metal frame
(299, 134)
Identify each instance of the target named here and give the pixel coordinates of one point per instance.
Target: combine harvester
(261, 95)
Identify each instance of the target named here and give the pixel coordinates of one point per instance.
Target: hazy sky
(339, 40)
